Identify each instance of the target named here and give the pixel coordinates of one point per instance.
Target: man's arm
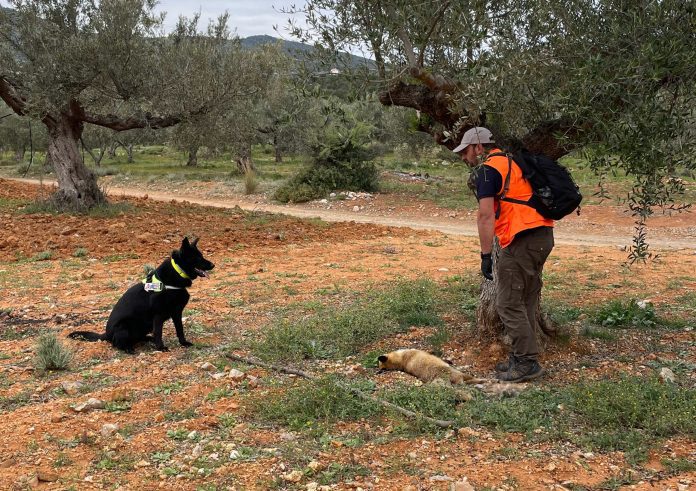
(486, 224)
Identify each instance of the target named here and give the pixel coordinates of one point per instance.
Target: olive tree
(613, 76)
(74, 62)
(230, 79)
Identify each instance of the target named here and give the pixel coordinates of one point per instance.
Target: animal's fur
(424, 366)
(139, 313)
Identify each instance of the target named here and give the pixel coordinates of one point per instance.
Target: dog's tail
(85, 336)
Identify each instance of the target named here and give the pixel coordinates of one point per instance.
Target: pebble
(91, 403)
(47, 476)
(667, 375)
(236, 375)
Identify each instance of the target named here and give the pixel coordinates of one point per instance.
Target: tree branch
(436, 20)
(118, 123)
(8, 93)
(403, 35)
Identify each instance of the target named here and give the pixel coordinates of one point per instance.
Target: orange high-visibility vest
(513, 218)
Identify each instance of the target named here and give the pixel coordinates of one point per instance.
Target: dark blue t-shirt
(488, 182)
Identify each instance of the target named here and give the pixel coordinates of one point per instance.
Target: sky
(249, 17)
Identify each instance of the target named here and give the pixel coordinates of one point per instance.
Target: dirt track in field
(595, 226)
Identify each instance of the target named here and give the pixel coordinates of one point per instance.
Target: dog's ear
(382, 359)
(185, 243)
(195, 241)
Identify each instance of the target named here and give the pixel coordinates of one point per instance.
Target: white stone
(108, 429)
(667, 375)
(91, 403)
(293, 476)
(236, 375)
(197, 451)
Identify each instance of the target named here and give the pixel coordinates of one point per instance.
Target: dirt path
(596, 228)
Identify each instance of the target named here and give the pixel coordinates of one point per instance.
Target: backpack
(554, 193)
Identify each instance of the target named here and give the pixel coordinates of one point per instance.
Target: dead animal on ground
(424, 366)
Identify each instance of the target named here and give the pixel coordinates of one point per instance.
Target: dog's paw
(161, 348)
(185, 343)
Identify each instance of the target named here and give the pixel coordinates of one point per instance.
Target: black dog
(145, 307)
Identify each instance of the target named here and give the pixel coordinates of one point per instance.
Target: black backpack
(554, 193)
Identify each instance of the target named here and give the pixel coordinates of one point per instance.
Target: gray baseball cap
(476, 135)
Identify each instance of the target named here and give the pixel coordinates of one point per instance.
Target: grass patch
(309, 404)
(42, 256)
(630, 415)
(80, 252)
(336, 473)
(10, 403)
(598, 333)
(338, 332)
(679, 466)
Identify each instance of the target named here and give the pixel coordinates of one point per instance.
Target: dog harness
(156, 285)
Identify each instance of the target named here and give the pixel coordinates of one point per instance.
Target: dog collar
(178, 269)
(157, 286)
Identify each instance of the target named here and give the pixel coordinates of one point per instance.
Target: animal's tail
(85, 336)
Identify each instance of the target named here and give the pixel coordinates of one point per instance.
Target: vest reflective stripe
(513, 218)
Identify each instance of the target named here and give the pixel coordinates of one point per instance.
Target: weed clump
(51, 354)
(627, 314)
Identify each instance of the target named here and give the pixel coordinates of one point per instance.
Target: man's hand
(487, 266)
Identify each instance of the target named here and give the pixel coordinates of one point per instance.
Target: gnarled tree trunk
(77, 185)
(244, 162)
(112, 149)
(276, 147)
(19, 153)
(192, 157)
(129, 151)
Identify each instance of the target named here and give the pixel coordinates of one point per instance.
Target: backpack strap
(506, 186)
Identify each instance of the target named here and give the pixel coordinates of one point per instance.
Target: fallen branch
(437, 422)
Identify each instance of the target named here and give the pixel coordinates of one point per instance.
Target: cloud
(248, 17)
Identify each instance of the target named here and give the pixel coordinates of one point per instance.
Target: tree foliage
(616, 77)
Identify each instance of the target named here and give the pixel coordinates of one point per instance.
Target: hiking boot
(521, 371)
(504, 366)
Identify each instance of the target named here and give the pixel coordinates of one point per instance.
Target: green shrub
(51, 354)
(340, 162)
(80, 252)
(627, 314)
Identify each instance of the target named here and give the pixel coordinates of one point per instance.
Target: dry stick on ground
(438, 422)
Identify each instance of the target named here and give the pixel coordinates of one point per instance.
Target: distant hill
(298, 50)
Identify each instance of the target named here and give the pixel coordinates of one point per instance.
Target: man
(526, 239)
